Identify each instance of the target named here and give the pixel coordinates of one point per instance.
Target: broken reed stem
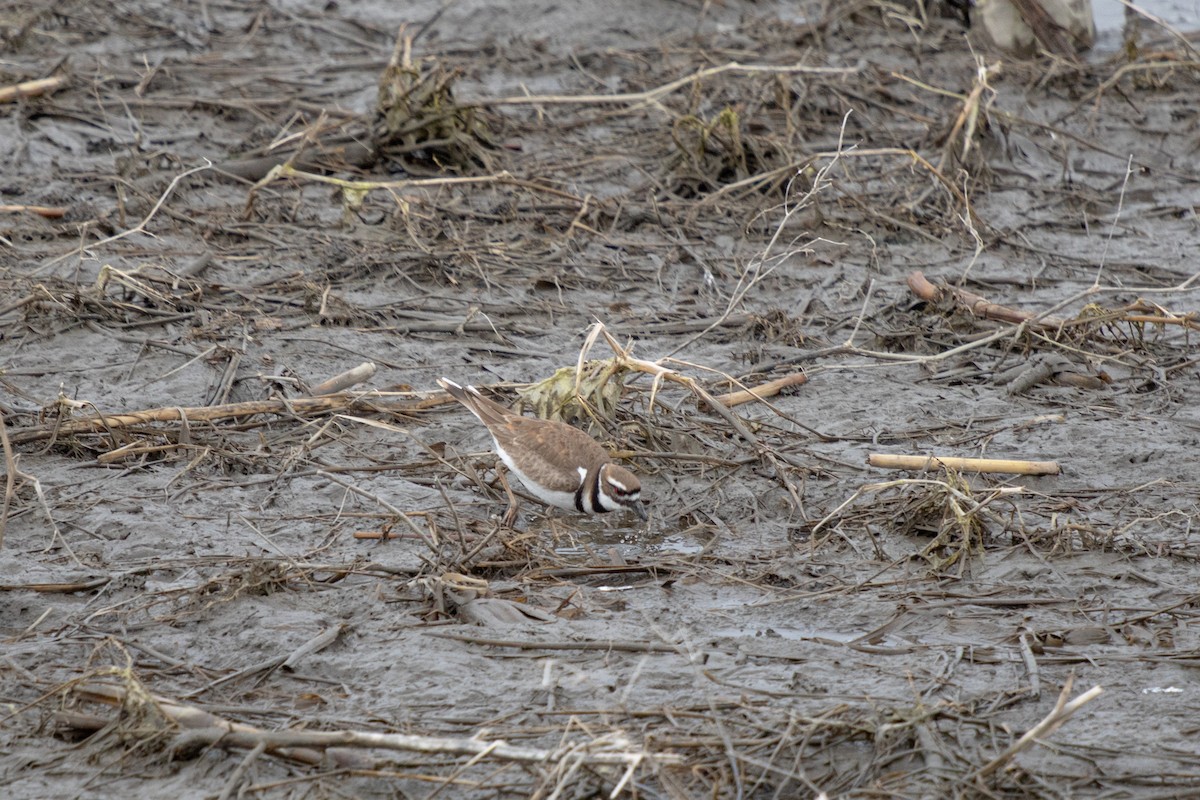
(976, 305)
(299, 406)
(10, 475)
(239, 773)
(926, 463)
(311, 747)
(1139, 312)
(658, 92)
(315, 644)
(922, 285)
(288, 171)
(357, 188)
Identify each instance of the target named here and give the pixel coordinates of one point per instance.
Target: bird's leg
(510, 516)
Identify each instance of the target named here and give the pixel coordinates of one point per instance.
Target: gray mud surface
(208, 555)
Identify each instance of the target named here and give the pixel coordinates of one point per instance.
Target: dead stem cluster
(417, 116)
(1136, 341)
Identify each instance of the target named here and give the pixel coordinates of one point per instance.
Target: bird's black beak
(639, 508)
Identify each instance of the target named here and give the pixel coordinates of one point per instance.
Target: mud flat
(220, 579)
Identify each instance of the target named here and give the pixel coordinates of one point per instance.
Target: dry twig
(651, 96)
(1062, 711)
(139, 228)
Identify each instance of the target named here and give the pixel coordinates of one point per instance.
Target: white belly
(551, 498)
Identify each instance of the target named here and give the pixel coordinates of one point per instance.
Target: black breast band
(587, 496)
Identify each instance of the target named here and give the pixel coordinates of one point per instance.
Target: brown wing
(550, 452)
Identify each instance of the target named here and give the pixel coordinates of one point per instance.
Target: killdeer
(560, 465)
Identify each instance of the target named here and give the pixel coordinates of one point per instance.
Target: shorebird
(560, 465)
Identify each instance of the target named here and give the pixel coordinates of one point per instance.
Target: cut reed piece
(31, 88)
(135, 450)
(351, 377)
(763, 391)
(926, 463)
(49, 212)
